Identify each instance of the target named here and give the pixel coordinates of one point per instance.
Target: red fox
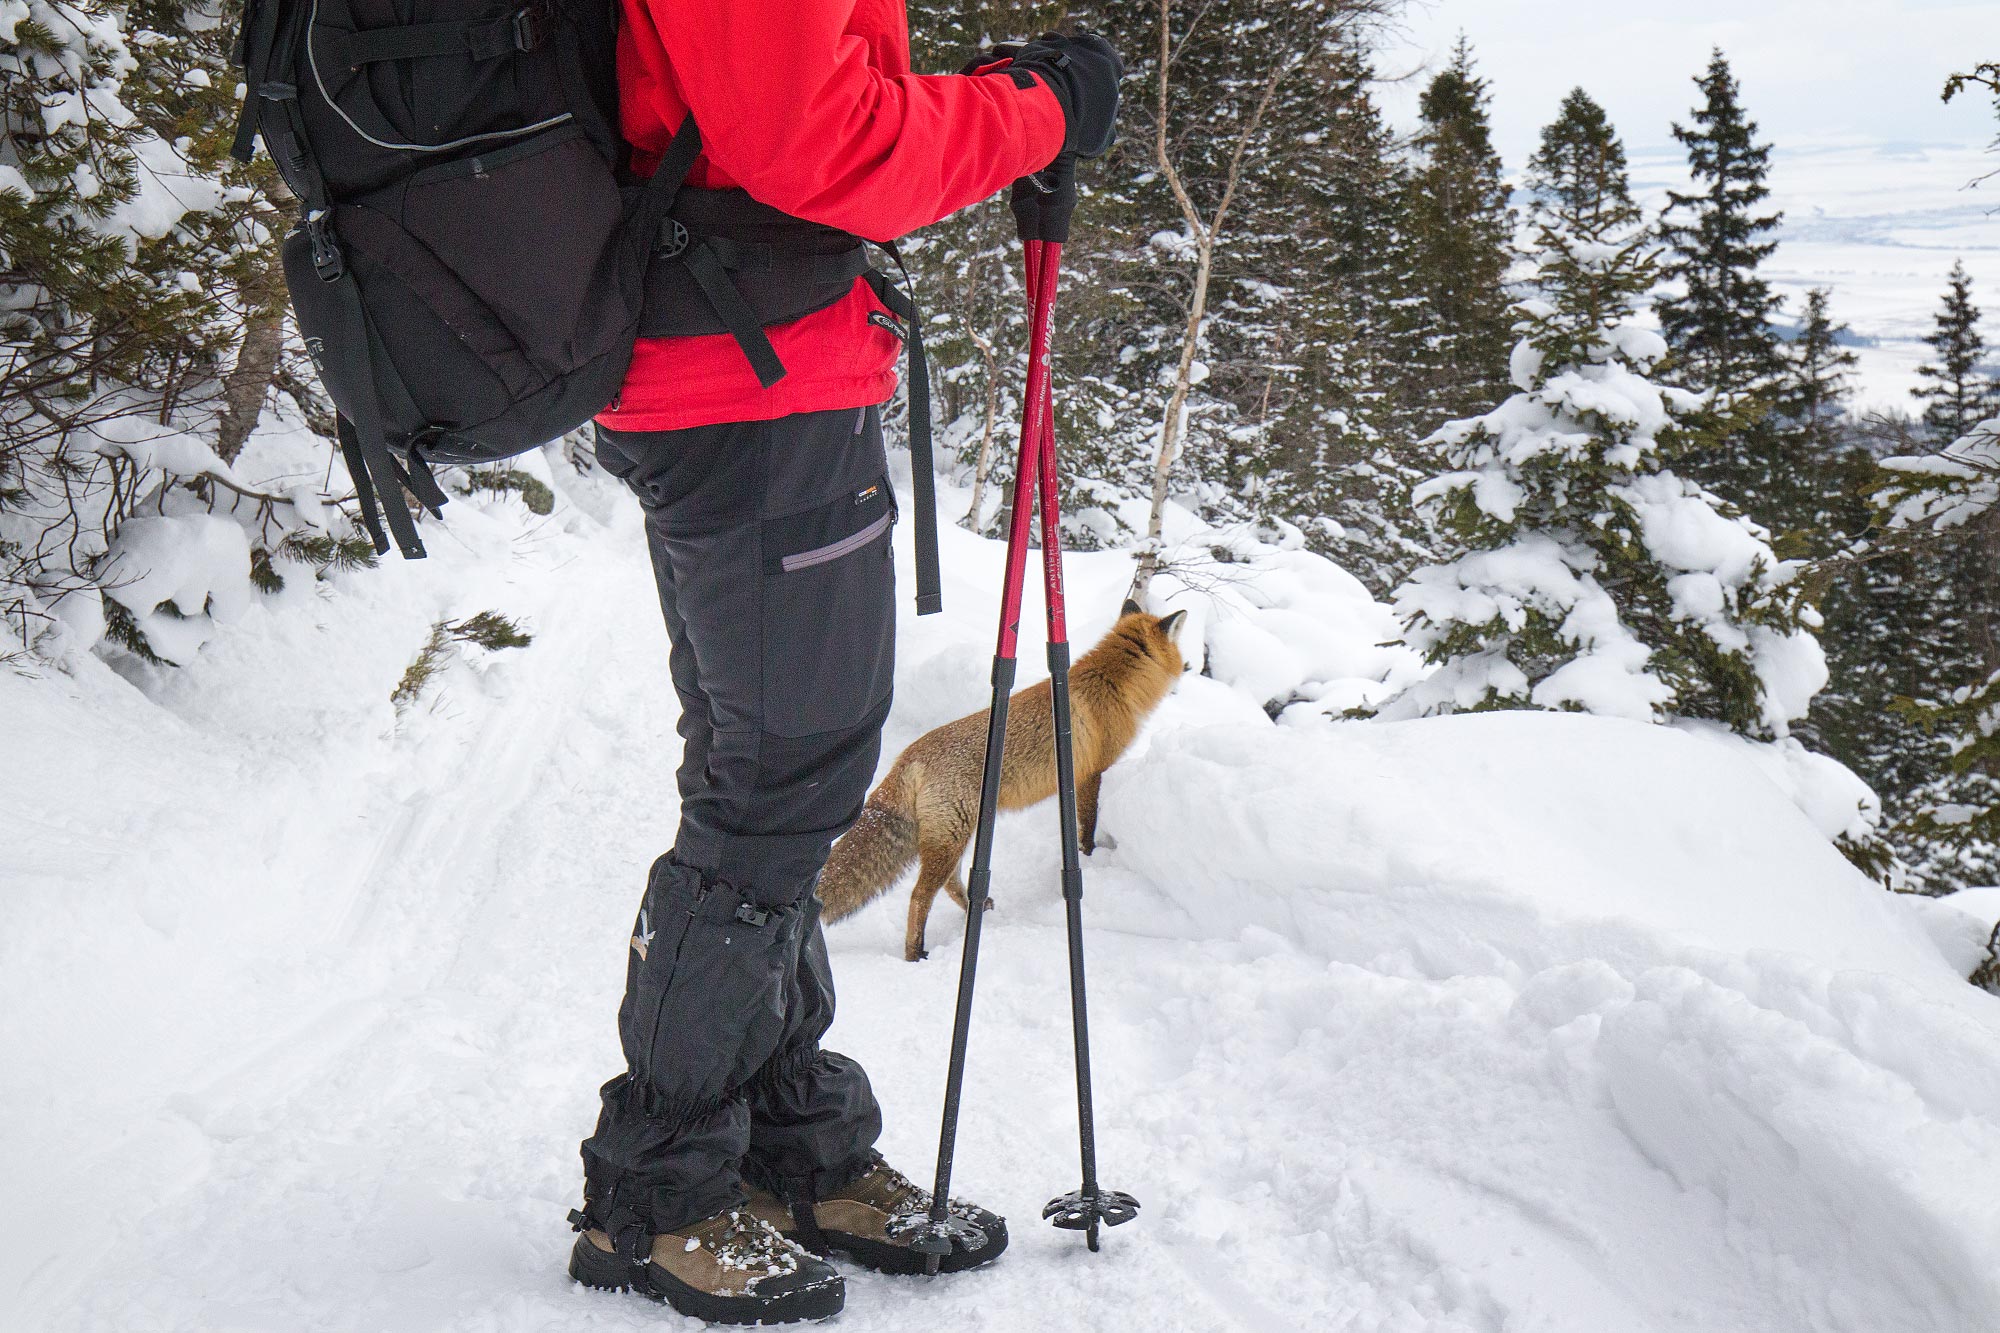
(925, 809)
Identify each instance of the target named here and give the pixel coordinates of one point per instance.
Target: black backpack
(473, 260)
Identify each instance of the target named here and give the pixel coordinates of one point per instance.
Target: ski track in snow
(307, 1041)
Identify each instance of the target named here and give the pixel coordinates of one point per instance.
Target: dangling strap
(364, 490)
(923, 474)
(379, 480)
(734, 312)
(256, 39)
(363, 438)
(421, 483)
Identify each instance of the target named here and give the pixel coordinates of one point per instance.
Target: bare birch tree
(1287, 47)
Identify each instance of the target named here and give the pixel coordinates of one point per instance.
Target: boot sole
(592, 1267)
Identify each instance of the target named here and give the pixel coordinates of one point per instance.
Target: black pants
(770, 541)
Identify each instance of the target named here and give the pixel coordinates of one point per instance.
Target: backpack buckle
(325, 250)
(673, 239)
(531, 26)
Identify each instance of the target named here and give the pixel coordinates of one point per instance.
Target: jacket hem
(823, 396)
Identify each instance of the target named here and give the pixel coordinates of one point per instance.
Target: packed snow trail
(1500, 1023)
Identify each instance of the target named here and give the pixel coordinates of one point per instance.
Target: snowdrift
(1514, 1021)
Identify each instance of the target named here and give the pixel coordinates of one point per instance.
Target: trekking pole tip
(934, 1237)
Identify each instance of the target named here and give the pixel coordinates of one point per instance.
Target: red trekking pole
(1042, 211)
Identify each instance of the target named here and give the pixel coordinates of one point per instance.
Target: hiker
(734, 1151)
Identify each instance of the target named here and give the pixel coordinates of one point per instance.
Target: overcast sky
(1844, 69)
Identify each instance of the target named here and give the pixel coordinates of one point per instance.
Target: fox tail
(868, 859)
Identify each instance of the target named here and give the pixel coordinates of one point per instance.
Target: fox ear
(1171, 625)
(1131, 608)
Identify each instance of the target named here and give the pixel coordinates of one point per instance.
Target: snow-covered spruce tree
(1461, 229)
(1336, 346)
(1594, 577)
(1961, 392)
(129, 242)
(1950, 826)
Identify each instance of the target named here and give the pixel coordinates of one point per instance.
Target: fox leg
(1086, 812)
(938, 866)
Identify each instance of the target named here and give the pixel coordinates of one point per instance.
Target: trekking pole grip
(1042, 203)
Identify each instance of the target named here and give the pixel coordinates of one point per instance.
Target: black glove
(1083, 72)
(1042, 203)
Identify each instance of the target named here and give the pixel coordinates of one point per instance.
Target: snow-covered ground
(1880, 224)
(1508, 1022)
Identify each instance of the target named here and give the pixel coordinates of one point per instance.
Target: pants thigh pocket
(829, 613)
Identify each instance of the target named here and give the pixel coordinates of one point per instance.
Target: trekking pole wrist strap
(1043, 203)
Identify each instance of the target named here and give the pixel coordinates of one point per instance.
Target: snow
(168, 190)
(1947, 489)
(1501, 1021)
(200, 563)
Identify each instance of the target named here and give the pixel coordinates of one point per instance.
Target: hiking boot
(733, 1268)
(873, 1220)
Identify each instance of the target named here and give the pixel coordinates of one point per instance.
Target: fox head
(1159, 636)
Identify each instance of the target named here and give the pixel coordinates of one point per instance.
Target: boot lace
(742, 1242)
(911, 1198)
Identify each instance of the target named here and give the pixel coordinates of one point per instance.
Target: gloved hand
(1042, 203)
(1083, 72)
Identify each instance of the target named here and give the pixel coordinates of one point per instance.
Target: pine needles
(488, 630)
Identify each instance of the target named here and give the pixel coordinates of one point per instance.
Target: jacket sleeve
(792, 109)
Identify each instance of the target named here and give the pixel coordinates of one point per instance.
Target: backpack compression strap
(486, 39)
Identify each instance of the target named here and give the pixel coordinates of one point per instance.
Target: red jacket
(810, 106)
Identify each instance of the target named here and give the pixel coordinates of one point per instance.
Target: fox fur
(925, 810)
